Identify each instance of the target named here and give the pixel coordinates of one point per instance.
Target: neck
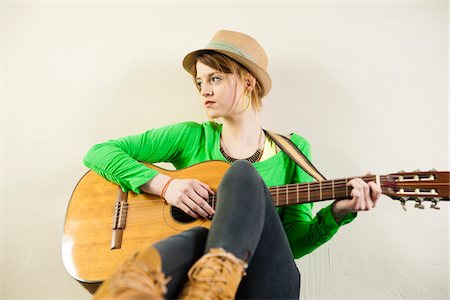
(241, 134)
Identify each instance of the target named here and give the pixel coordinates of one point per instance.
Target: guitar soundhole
(180, 216)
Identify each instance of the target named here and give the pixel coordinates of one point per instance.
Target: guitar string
(295, 189)
(313, 186)
(177, 214)
(213, 200)
(291, 189)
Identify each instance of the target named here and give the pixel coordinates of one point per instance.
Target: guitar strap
(295, 154)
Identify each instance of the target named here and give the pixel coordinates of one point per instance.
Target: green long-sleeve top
(188, 143)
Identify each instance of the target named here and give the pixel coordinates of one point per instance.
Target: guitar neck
(316, 191)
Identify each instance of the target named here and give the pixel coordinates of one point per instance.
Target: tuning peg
(433, 170)
(401, 171)
(403, 202)
(417, 170)
(434, 203)
(419, 203)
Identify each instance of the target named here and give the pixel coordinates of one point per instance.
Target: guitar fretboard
(298, 193)
(315, 191)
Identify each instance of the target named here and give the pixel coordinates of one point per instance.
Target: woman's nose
(206, 90)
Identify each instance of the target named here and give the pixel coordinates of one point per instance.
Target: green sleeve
(120, 160)
(305, 233)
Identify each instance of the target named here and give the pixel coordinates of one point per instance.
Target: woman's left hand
(364, 197)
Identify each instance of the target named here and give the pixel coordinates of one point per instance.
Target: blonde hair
(225, 64)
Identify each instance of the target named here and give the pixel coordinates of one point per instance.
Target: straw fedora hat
(242, 48)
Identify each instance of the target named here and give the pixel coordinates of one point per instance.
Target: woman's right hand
(190, 196)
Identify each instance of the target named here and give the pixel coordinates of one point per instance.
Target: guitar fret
(320, 189)
(287, 194)
(298, 198)
(309, 192)
(346, 188)
(332, 189)
(277, 197)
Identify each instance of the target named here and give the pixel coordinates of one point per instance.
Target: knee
(242, 177)
(242, 166)
(244, 172)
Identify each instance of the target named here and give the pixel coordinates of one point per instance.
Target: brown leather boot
(139, 278)
(216, 275)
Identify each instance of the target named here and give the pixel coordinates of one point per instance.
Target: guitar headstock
(433, 186)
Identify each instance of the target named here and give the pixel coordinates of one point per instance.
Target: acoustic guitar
(104, 225)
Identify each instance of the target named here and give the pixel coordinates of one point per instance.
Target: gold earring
(247, 100)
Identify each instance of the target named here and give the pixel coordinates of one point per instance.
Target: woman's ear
(250, 82)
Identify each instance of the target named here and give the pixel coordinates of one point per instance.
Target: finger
(204, 205)
(191, 201)
(206, 187)
(203, 195)
(363, 187)
(375, 192)
(358, 194)
(201, 190)
(188, 210)
(367, 198)
(356, 183)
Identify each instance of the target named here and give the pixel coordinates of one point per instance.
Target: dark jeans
(247, 225)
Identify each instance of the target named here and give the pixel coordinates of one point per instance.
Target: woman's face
(222, 93)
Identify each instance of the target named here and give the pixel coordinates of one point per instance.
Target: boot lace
(138, 276)
(211, 276)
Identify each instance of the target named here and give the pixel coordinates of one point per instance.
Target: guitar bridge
(119, 219)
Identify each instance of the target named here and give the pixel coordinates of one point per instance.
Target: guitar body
(86, 244)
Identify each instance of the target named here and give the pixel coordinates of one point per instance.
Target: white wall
(365, 82)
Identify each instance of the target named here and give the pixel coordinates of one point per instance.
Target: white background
(365, 82)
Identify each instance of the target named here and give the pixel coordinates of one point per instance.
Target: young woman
(248, 234)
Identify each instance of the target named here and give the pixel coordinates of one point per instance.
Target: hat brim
(260, 74)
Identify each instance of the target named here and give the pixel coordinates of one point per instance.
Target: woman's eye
(199, 84)
(215, 79)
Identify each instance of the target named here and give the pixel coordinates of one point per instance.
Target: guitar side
(87, 233)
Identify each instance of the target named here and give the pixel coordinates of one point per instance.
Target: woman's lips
(209, 103)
